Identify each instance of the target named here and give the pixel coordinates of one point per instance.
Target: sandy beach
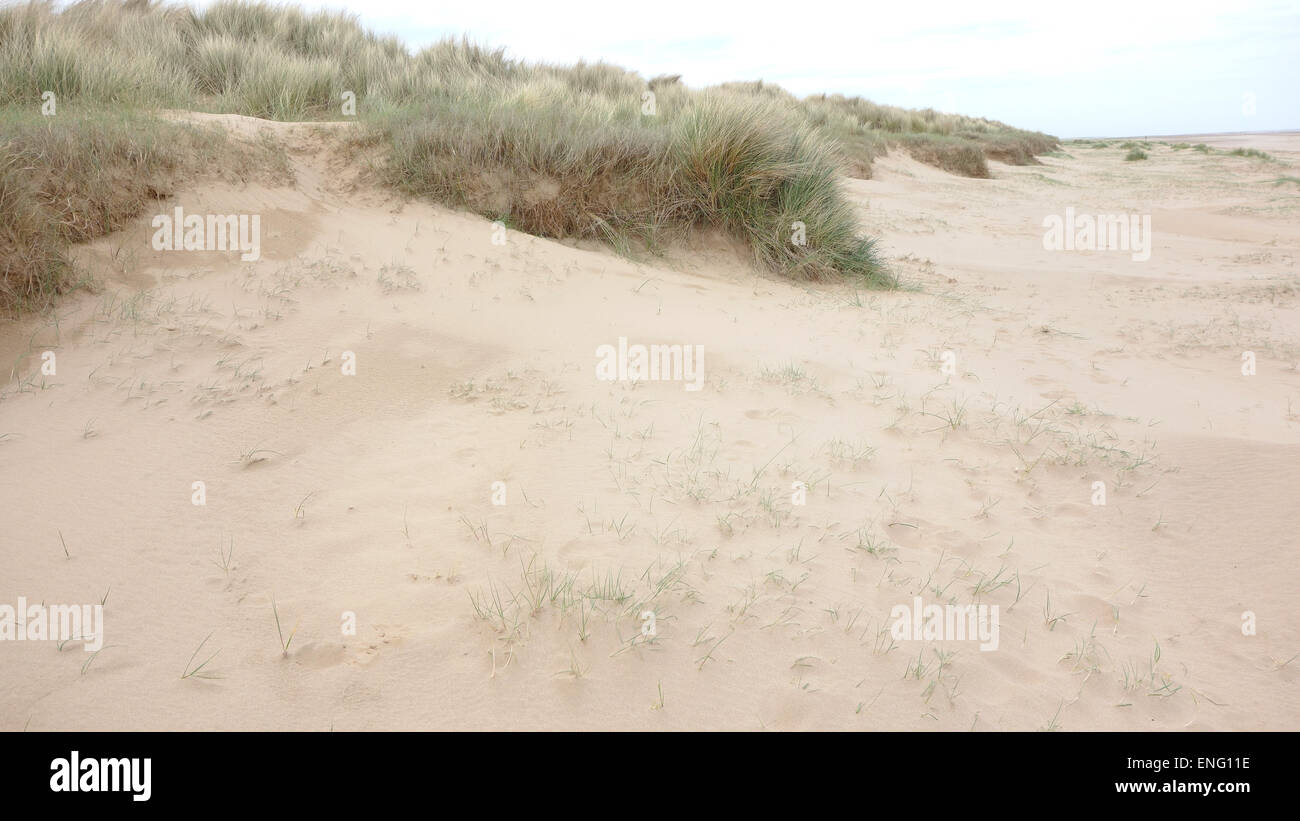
(423, 508)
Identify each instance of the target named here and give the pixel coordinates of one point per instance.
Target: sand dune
(371, 495)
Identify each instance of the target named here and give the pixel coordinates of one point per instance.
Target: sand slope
(372, 494)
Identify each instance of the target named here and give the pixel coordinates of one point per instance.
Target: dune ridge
(592, 151)
(351, 400)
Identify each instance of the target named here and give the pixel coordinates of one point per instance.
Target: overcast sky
(1096, 68)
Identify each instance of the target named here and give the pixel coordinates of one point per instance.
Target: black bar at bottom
(215, 771)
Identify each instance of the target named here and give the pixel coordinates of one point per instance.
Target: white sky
(1099, 67)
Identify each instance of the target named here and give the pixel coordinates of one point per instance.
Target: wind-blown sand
(475, 363)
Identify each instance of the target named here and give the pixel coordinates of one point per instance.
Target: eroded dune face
(378, 470)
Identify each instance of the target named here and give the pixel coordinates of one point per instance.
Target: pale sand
(479, 366)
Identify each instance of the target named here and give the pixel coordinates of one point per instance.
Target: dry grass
(554, 150)
(71, 182)
(88, 172)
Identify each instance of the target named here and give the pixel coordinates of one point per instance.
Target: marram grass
(587, 150)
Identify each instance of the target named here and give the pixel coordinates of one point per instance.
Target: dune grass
(954, 142)
(949, 153)
(1252, 153)
(87, 172)
(558, 169)
(586, 150)
(69, 182)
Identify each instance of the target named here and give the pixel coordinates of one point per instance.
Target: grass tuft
(1253, 153)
